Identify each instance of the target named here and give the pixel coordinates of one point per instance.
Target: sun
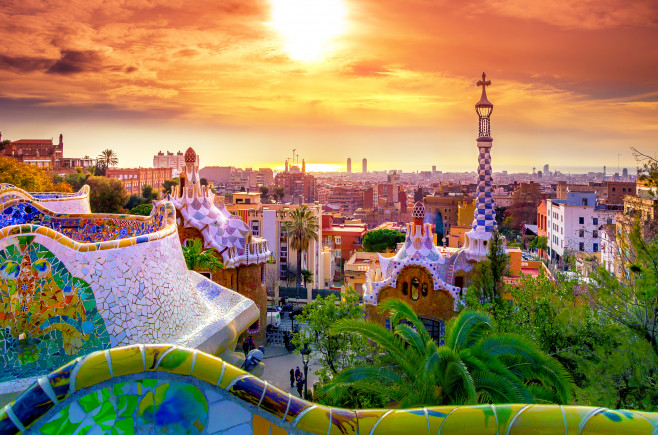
(308, 27)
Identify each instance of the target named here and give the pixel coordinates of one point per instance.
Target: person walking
(300, 385)
(252, 343)
(286, 340)
(292, 378)
(245, 347)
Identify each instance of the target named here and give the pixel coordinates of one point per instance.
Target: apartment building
(576, 224)
(136, 178)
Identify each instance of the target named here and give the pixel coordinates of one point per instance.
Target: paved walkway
(278, 363)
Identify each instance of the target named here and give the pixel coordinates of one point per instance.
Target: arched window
(424, 289)
(415, 285)
(405, 288)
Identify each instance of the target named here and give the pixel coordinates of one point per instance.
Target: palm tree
(476, 364)
(307, 275)
(300, 229)
(199, 259)
(108, 157)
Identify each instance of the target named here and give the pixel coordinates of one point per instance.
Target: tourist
(298, 373)
(286, 340)
(300, 385)
(292, 378)
(245, 347)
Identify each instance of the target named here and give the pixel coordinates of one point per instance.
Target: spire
(484, 108)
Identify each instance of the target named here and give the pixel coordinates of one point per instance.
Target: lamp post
(306, 356)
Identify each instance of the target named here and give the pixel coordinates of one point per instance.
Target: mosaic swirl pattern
(82, 228)
(57, 202)
(168, 389)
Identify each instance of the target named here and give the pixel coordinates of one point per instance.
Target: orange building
(37, 152)
(136, 178)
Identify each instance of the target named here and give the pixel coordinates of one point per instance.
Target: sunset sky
(574, 82)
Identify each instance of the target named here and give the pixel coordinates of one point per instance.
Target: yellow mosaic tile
(126, 360)
(260, 425)
(230, 372)
(412, 421)
(316, 420)
(153, 354)
(548, 418)
(178, 361)
(471, 420)
(207, 368)
(277, 430)
(368, 417)
(605, 422)
(94, 370)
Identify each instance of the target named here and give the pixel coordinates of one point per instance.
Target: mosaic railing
(58, 202)
(90, 228)
(168, 389)
(61, 298)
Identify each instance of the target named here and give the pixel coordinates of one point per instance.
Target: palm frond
(467, 329)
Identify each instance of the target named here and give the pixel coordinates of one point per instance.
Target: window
(595, 221)
(609, 221)
(188, 242)
(581, 246)
(424, 290)
(337, 240)
(581, 233)
(595, 234)
(263, 273)
(581, 220)
(596, 247)
(415, 286)
(405, 288)
(614, 189)
(585, 202)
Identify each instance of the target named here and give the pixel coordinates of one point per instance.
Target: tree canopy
(383, 240)
(107, 195)
(29, 178)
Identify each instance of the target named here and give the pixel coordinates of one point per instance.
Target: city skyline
(244, 84)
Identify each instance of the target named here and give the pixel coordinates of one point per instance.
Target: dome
(190, 156)
(418, 211)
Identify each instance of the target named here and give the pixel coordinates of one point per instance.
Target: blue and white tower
(484, 220)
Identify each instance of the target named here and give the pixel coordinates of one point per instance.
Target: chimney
(61, 139)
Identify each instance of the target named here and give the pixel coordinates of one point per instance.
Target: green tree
(142, 209)
(539, 243)
(279, 192)
(76, 179)
(633, 301)
(300, 230)
(29, 178)
(264, 192)
(203, 182)
(383, 240)
(307, 275)
(648, 172)
(197, 258)
(4, 144)
(106, 195)
(168, 184)
(487, 276)
(108, 157)
(476, 364)
(133, 201)
(334, 351)
(148, 193)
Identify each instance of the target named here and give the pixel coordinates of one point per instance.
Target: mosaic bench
(58, 202)
(61, 298)
(169, 389)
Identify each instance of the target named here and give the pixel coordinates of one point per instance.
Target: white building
(576, 224)
(171, 160)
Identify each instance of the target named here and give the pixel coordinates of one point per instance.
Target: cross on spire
(484, 82)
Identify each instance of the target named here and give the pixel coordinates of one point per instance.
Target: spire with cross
(484, 108)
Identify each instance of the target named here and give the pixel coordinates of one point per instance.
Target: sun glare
(308, 26)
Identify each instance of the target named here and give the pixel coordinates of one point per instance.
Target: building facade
(42, 153)
(576, 224)
(135, 178)
(176, 162)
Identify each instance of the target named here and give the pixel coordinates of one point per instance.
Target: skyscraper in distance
(546, 171)
(349, 165)
(365, 165)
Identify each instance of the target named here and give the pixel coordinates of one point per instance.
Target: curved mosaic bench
(62, 296)
(58, 202)
(164, 388)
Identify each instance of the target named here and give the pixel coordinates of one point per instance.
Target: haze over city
(245, 82)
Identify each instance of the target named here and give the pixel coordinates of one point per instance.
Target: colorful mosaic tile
(160, 389)
(57, 202)
(48, 316)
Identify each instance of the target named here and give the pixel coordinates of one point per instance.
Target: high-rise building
(484, 220)
(171, 160)
(546, 172)
(624, 172)
(434, 169)
(349, 165)
(365, 165)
